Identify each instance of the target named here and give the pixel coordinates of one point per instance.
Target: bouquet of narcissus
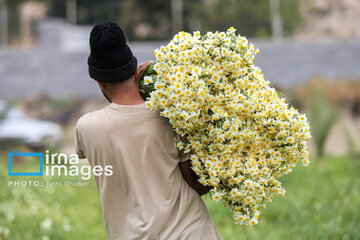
(242, 137)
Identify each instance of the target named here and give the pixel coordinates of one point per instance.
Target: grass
(48, 212)
(322, 202)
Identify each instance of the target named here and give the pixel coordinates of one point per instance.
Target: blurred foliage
(155, 15)
(88, 11)
(11, 3)
(13, 19)
(251, 18)
(291, 16)
(352, 139)
(151, 20)
(322, 117)
(49, 212)
(322, 202)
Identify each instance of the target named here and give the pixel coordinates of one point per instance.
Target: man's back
(146, 197)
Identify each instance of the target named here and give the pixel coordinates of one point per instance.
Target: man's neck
(127, 96)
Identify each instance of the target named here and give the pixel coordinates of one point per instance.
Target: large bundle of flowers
(242, 137)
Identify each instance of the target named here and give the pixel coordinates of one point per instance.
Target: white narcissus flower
(216, 197)
(46, 224)
(148, 80)
(241, 135)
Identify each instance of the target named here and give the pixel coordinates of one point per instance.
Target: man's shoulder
(89, 118)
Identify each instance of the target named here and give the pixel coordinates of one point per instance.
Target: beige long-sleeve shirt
(146, 197)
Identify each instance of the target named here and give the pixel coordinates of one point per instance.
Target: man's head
(111, 61)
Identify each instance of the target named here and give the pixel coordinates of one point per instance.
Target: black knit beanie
(111, 59)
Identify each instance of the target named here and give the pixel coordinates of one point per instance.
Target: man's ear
(102, 85)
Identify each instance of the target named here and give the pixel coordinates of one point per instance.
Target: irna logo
(11, 156)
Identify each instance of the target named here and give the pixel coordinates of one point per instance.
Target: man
(153, 193)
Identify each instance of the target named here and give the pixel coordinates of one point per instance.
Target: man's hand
(141, 68)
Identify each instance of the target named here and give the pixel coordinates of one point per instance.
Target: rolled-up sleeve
(78, 143)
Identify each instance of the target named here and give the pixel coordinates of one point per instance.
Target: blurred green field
(322, 202)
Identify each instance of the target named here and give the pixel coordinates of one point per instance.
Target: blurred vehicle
(16, 127)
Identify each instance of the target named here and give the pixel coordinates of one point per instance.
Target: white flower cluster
(242, 136)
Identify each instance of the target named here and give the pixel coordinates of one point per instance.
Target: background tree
(151, 20)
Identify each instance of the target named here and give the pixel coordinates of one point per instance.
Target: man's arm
(192, 179)
(78, 144)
